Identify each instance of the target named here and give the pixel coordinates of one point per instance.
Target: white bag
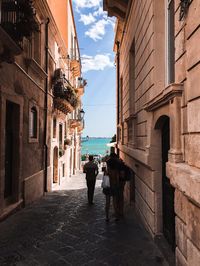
(105, 182)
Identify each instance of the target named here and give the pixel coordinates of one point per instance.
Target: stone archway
(162, 127)
(55, 165)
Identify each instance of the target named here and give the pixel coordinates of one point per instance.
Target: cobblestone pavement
(61, 229)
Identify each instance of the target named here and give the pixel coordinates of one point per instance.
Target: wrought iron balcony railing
(81, 82)
(75, 122)
(82, 125)
(75, 67)
(18, 18)
(80, 85)
(65, 96)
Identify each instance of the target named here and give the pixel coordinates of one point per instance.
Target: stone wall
(151, 99)
(143, 32)
(22, 83)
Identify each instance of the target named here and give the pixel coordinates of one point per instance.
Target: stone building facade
(65, 74)
(30, 43)
(157, 59)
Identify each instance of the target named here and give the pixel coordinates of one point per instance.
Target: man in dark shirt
(116, 165)
(91, 171)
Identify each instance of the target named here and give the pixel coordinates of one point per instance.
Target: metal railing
(17, 18)
(63, 89)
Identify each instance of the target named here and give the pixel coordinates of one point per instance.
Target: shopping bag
(105, 181)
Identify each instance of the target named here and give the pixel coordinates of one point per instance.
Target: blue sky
(96, 36)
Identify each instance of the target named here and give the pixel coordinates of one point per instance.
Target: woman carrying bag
(110, 185)
(107, 192)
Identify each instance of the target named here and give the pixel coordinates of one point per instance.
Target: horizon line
(96, 137)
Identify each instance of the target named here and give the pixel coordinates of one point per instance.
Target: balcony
(75, 67)
(81, 126)
(8, 48)
(78, 121)
(65, 98)
(116, 8)
(75, 123)
(18, 20)
(80, 86)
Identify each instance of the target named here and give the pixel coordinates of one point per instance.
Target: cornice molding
(164, 97)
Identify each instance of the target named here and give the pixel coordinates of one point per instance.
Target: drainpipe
(46, 103)
(118, 85)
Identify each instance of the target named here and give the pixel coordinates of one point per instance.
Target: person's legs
(116, 206)
(91, 186)
(121, 199)
(107, 208)
(93, 182)
(88, 191)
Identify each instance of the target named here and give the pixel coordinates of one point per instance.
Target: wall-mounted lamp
(82, 113)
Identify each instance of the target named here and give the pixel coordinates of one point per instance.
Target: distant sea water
(95, 146)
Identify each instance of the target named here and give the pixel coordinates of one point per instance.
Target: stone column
(175, 152)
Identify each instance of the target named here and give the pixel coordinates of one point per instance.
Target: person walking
(113, 171)
(91, 171)
(107, 191)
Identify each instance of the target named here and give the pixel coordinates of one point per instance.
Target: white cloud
(87, 19)
(99, 12)
(112, 22)
(97, 62)
(87, 3)
(97, 31)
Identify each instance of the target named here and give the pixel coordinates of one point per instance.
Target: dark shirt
(114, 163)
(91, 170)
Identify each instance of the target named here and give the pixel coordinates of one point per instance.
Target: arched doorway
(168, 213)
(55, 165)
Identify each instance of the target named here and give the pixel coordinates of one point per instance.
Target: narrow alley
(61, 229)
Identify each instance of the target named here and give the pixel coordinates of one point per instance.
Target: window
(36, 52)
(32, 46)
(65, 130)
(121, 100)
(118, 134)
(130, 131)
(132, 79)
(170, 50)
(75, 47)
(54, 128)
(33, 123)
(72, 46)
(60, 135)
(63, 170)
